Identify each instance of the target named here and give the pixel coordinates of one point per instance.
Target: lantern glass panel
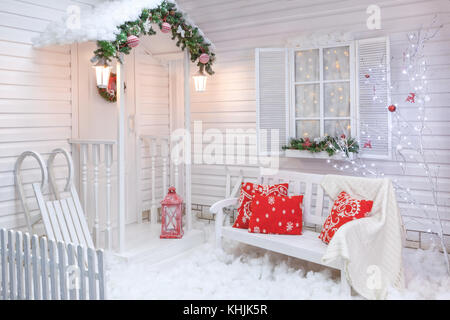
(102, 74)
(170, 221)
(200, 82)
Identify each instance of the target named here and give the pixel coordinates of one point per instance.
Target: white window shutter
(272, 99)
(373, 96)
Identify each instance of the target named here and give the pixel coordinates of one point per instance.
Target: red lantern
(171, 219)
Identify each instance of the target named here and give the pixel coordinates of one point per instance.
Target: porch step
(143, 243)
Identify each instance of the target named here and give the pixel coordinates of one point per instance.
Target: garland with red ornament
(330, 145)
(168, 19)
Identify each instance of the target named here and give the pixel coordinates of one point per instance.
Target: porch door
(152, 119)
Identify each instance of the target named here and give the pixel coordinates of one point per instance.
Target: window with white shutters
(323, 91)
(272, 99)
(373, 94)
(328, 90)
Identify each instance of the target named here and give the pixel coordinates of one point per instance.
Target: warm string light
(405, 150)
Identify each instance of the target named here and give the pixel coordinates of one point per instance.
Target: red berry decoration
(392, 108)
(204, 58)
(166, 27)
(307, 143)
(132, 41)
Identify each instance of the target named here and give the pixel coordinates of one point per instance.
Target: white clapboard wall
(229, 101)
(152, 119)
(33, 268)
(38, 96)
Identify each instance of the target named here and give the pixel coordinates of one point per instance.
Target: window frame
(353, 82)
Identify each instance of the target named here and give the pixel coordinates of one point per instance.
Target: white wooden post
(187, 127)
(154, 208)
(108, 163)
(121, 154)
(165, 157)
(84, 173)
(95, 159)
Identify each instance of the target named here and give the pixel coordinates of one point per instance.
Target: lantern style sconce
(102, 73)
(171, 219)
(200, 81)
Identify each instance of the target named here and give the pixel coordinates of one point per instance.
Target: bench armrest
(219, 205)
(217, 210)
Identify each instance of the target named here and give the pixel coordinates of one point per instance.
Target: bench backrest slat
(315, 202)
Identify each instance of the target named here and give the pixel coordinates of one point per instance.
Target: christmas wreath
(330, 145)
(168, 19)
(109, 93)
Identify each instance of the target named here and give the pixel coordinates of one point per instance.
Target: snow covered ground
(245, 272)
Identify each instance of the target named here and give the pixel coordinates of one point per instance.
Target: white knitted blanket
(371, 248)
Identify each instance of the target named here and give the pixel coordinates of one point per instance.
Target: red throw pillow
(345, 209)
(248, 190)
(276, 214)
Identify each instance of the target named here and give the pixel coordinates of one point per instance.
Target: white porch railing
(159, 148)
(92, 150)
(35, 268)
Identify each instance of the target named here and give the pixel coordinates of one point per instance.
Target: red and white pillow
(345, 209)
(248, 190)
(276, 214)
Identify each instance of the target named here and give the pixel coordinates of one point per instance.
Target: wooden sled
(63, 218)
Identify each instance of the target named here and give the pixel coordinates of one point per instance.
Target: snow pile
(209, 274)
(244, 272)
(426, 276)
(99, 23)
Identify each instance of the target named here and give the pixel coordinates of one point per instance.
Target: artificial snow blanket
(98, 23)
(371, 248)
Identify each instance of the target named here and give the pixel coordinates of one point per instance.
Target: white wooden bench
(316, 207)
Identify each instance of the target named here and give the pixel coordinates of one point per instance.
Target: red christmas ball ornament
(166, 27)
(367, 76)
(392, 108)
(204, 58)
(132, 41)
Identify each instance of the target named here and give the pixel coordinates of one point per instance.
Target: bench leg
(218, 228)
(346, 289)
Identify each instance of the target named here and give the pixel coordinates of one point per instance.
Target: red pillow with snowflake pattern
(248, 191)
(345, 209)
(276, 215)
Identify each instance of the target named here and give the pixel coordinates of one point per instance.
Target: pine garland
(186, 35)
(330, 145)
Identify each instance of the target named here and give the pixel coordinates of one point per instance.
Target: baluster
(154, 209)
(84, 174)
(108, 163)
(176, 171)
(165, 156)
(95, 160)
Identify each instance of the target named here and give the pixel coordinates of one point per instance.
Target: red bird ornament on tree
(411, 97)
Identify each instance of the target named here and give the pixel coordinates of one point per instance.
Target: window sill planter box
(291, 153)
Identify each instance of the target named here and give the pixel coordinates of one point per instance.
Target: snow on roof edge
(99, 23)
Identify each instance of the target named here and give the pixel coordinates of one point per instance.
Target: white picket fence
(35, 268)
